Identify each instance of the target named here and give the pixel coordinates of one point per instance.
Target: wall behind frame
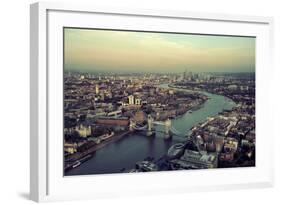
(14, 103)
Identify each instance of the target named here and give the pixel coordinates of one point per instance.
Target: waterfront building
(121, 121)
(83, 131)
(70, 147)
(195, 160)
(176, 150)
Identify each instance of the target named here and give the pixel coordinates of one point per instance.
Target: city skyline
(140, 123)
(90, 50)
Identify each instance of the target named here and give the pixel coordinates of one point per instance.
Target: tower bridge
(169, 130)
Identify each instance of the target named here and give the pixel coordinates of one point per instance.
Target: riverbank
(186, 107)
(226, 95)
(125, 153)
(80, 155)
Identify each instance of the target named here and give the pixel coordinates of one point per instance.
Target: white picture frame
(47, 182)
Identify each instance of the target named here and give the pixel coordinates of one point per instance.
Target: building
(230, 145)
(195, 160)
(97, 89)
(113, 121)
(138, 101)
(131, 100)
(176, 150)
(187, 75)
(171, 92)
(70, 148)
(226, 157)
(232, 87)
(152, 91)
(84, 131)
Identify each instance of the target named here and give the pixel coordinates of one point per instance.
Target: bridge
(169, 130)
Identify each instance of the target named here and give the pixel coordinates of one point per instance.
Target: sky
(92, 50)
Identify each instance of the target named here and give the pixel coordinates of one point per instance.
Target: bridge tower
(149, 131)
(168, 126)
(132, 125)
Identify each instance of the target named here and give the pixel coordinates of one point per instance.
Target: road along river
(124, 153)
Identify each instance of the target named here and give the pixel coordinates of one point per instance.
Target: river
(124, 153)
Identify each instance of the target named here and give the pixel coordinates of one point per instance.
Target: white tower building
(131, 100)
(97, 89)
(138, 101)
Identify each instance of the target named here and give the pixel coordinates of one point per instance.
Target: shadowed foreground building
(195, 160)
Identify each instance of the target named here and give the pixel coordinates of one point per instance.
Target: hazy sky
(103, 50)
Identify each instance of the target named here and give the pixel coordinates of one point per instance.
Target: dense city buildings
(103, 108)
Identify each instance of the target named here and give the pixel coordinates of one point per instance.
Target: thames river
(123, 154)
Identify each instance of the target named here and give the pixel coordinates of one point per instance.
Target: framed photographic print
(129, 101)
